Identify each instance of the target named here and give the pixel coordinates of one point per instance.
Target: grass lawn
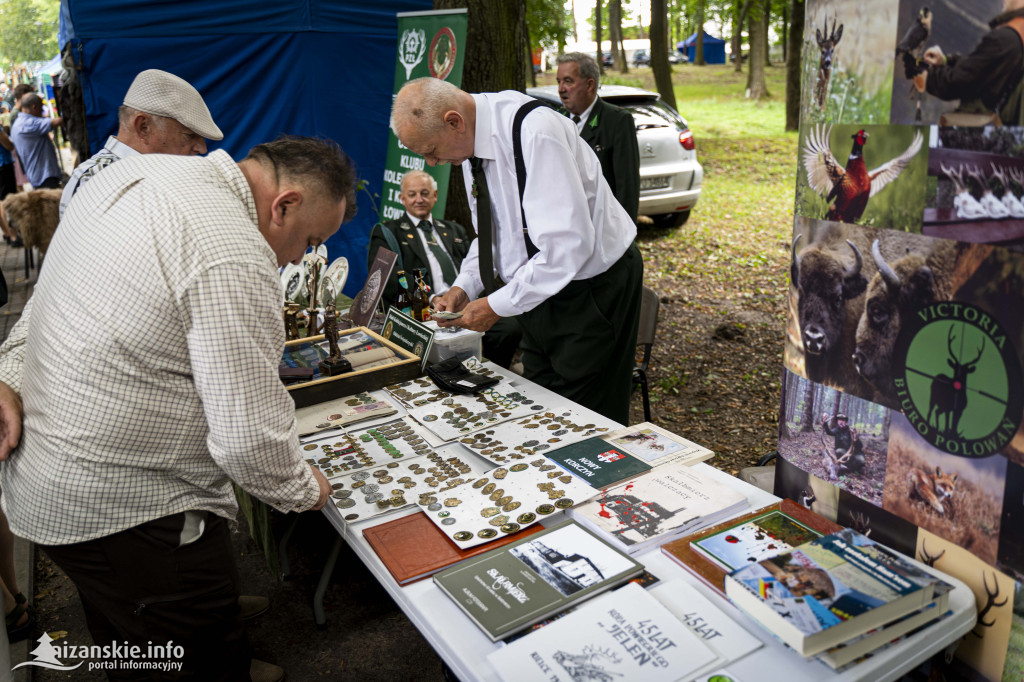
(722, 277)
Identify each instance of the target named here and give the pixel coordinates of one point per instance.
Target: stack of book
(713, 553)
(670, 501)
(823, 597)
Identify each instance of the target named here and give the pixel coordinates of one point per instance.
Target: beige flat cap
(164, 94)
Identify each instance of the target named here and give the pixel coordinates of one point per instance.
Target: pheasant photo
(847, 189)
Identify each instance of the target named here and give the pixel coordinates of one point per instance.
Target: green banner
(408, 334)
(429, 44)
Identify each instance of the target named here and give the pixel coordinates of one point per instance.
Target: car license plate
(658, 182)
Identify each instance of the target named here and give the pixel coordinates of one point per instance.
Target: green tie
(445, 261)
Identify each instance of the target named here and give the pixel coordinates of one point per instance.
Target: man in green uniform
(609, 130)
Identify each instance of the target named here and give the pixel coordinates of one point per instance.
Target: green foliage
(1013, 669)
(547, 21)
(28, 31)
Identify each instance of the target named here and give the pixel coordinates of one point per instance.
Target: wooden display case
(406, 366)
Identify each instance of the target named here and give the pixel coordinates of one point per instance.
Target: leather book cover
(413, 548)
(713, 574)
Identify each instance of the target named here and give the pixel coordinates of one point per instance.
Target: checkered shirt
(151, 375)
(113, 150)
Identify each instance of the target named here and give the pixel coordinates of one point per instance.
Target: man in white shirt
(148, 389)
(161, 114)
(437, 247)
(572, 273)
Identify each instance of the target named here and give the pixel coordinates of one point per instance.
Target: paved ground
(367, 636)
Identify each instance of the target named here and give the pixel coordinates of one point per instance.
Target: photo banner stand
(923, 353)
(429, 44)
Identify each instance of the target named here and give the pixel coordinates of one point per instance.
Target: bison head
(825, 283)
(895, 292)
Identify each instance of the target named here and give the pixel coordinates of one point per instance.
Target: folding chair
(649, 304)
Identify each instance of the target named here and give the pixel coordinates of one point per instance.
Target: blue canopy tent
(714, 49)
(305, 67)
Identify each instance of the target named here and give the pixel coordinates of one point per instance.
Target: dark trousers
(501, 341)
(52, 182)
(581, 343)
(8, 184)
(140, 586)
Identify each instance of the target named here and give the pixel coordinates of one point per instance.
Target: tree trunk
(531, 75)
(659, 53)
(886, 423)
(808, 417)
(615, 33)
(739, 19)
(495, 46)
(785, 34)
(698, 50)
(794, 53)
(598, 36)
(757, 88)
(765, 24)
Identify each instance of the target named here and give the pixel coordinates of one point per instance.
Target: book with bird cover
(830, 589)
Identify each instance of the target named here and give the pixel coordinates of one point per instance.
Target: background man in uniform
(145, 395)
(577, 297)
(609, 130)
(161, 114)
(438, 247)
(31, 136)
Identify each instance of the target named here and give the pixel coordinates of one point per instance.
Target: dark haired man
(145, 395)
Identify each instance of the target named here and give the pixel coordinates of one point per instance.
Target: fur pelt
(34, 215)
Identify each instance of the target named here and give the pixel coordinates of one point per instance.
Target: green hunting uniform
(611, 133)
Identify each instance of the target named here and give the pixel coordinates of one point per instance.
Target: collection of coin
(369, 448)
(453, 416)
(365, 494)
(504, 500)
(520, 438)
(421, 391)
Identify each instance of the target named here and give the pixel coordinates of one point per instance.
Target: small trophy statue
(315, 261)
(291, 321)
(334, 363)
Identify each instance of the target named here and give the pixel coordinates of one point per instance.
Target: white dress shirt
(584, 116)
(573, 217)
(151, 376)
(436, 274)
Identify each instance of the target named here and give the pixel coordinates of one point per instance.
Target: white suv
(670, 175)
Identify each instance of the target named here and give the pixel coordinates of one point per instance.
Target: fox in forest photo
(934, 489)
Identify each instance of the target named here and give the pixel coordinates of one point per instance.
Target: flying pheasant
(848, 189)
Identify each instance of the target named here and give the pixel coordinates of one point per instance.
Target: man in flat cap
(161, 114)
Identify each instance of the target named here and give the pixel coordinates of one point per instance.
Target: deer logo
(949, 393)
(827, 45)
